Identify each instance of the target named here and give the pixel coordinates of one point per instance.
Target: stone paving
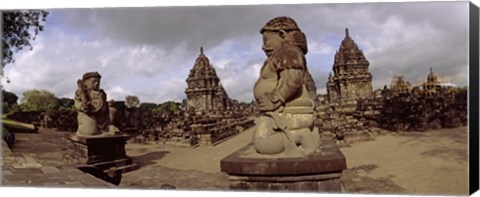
(184, 168)
(38, 166)
(37, 161)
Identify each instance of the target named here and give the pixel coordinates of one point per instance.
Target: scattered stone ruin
(210, 115)
(399, 85)
(334, 121)
(352, 111)
(431, 105)
(191, 129)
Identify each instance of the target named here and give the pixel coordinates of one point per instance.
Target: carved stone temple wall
(349, 82)
(351, 78)
(204, 91)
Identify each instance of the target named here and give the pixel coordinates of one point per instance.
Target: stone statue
(93, 110)
(285, 126)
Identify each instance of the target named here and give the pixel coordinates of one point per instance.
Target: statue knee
(272, 144)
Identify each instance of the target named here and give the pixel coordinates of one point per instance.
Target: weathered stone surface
(348, 89)
(321, 171)
(432, 105)
(27, 169)
(103, 152)
(285, 125)
(204, 91)
(351, 78)
(93, 111)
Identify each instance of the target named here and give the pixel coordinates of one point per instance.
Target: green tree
(168, 107)
(150, 106)
(39, 100)
(66, 102)
(19, 27)
(9, 97)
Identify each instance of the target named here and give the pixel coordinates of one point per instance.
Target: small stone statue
(93, 110)
(285, 126)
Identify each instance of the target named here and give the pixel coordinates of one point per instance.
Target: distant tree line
(61, 113)
(169, 107)
(34, 100)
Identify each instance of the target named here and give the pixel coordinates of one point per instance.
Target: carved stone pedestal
(102, 152)
(319, 172)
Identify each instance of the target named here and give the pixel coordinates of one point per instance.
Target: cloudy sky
(149, 51)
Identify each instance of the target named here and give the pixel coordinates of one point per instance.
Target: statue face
(92, 83)
(271, 42)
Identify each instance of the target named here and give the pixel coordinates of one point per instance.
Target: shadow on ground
(149, 158)
(158, 177)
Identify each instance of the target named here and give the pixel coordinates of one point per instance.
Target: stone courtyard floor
(433, 162)
(36, 161)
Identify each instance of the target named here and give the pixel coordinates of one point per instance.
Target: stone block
(50, 170)
(103, 152)
(32, 165)
(318, 172)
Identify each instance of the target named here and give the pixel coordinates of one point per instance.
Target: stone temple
(351, 78)
(204, 91)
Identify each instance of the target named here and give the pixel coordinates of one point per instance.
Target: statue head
(91, 80)
(282, 30)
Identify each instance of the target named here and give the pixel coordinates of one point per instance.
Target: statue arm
(81, 98)
(102, 103)
(289, 83)
(290, 68)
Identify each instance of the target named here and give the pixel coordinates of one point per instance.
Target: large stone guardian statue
(91, 103)
(98, 146)
(286, 122)
(286, 154)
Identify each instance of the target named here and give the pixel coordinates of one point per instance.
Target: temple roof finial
(201, 50)
(346, 32)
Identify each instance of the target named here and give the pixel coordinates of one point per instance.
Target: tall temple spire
(351, 78)
(203, 92)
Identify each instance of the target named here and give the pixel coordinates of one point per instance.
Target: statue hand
(269, 106)
(84, 107)
(272, 103)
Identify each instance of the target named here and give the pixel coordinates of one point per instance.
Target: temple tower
(351, 78)
(204, 90)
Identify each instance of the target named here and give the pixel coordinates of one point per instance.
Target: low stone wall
(342, 124)
(420, 113)
(213, 133)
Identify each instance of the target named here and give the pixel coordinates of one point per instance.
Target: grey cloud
(431, 34)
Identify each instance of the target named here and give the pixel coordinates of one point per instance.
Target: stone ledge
(98, 139)
(245, 162)
(317, 177)
(319, 172)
